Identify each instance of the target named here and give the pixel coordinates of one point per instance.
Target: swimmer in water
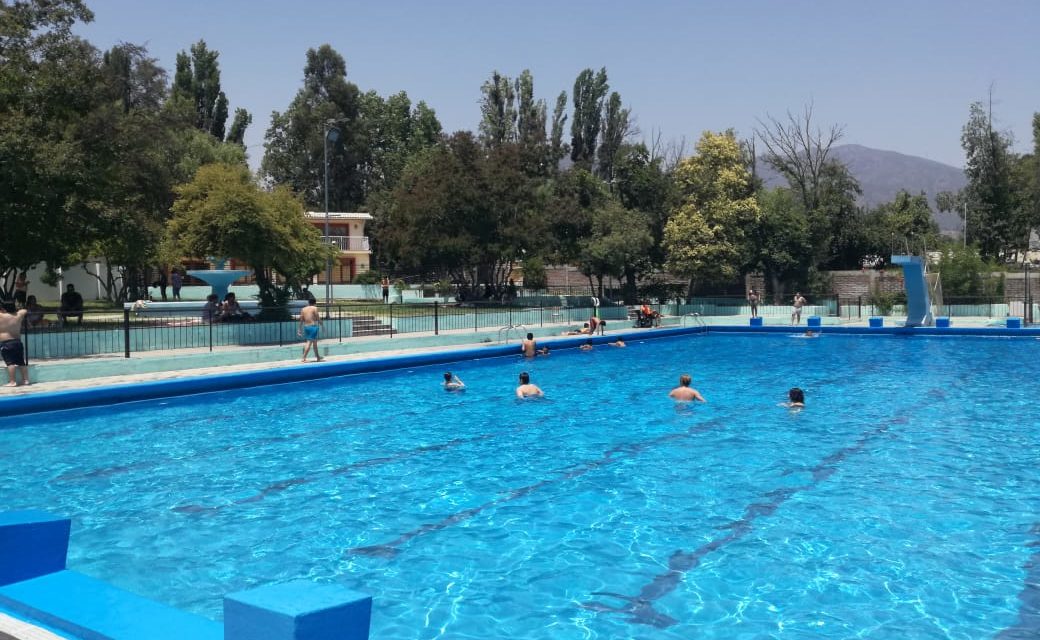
(452, 382)
(795, 399)
(526, 389)
(587, 346)
(528, 346)
(684, 392)
(619, 343)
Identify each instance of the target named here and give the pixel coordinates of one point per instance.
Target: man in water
(796, 314)
(528, 346)
(310, 326)
(684, 392)
(11, 343)
(526, 389)
(452, 382)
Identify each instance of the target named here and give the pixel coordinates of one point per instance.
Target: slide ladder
(918, 304)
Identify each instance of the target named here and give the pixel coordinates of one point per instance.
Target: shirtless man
(752, 298)
(310, 326)
(11, 344)
(528, 346)
(684, 392)
(526, 389)
(799, 302)
(452, 382)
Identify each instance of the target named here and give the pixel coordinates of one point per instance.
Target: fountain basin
(219, 279)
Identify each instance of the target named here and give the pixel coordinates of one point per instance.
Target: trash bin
(814, 322)
(756, 322)
(1014, 323)
(876, 322)
(942, 322)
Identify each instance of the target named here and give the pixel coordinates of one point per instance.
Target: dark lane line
(640, 608)
(105, 472)
(282, 485)
(1028, 625)
(614, 454)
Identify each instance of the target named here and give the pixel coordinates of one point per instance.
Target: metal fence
(127, 332)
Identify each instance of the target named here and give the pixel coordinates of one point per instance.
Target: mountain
(881, 174)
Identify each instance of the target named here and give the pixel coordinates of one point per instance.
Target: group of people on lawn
(71, 305)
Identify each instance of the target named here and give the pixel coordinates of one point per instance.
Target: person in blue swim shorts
(310, 328)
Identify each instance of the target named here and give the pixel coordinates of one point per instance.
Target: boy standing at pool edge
(310, 326)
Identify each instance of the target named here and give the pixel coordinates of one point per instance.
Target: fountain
(219, 278)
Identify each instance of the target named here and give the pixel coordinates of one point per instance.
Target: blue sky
(897, 75)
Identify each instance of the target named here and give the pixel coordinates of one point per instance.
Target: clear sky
(897, 75)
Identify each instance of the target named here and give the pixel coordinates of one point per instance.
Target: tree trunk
(631, 292)
(778, 288)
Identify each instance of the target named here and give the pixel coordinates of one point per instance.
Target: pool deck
(351, 349)
(15, 629)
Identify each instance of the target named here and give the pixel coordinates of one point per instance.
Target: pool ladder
(696, 318)
(519, 328)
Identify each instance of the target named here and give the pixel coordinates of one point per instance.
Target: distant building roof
(339, 215)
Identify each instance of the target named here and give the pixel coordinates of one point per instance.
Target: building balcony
(348, 243)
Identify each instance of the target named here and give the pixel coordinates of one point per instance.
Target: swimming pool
(901, 503)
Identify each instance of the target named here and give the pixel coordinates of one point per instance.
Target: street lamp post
(331, 135)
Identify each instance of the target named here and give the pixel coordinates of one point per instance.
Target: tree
(558, 149)
(463, 211)
(799, 150)
(908, 220)
(641, 184)
(237, 132)
(619, 243)
(295, 142)
(782, 243)
(223, 213)
(993, 222)
(498, 111)
(590, 89)
(705, 238)
(50, 82)
(616, 127)
(197, 82)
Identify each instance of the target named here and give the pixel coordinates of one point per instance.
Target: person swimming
(618, 343)
(587, 346)
(526, 389)
(684, 392)
(452, 382)
(795, 399)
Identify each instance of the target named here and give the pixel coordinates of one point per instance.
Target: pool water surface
(902, 502)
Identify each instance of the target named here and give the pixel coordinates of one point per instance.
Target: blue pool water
(902, 503)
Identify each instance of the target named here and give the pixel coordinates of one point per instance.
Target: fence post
(391, 319)
(281, 322)
(476, 316)
(339, 322)
(541, 320)
(436, 319)
(126, 333)
(26, 330)
(211, 334)
(859, 308)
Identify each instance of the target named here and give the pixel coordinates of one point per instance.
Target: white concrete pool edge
(15, 629)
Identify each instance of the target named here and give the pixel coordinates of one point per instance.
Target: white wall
(76, 275)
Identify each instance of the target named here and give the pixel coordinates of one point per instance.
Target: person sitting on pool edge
(684, 392)
(526, 389)
(452, 382)
(795, 399)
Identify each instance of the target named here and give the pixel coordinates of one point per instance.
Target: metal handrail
(510, 327)
(697, 318)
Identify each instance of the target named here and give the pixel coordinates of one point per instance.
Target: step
(92, 609)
